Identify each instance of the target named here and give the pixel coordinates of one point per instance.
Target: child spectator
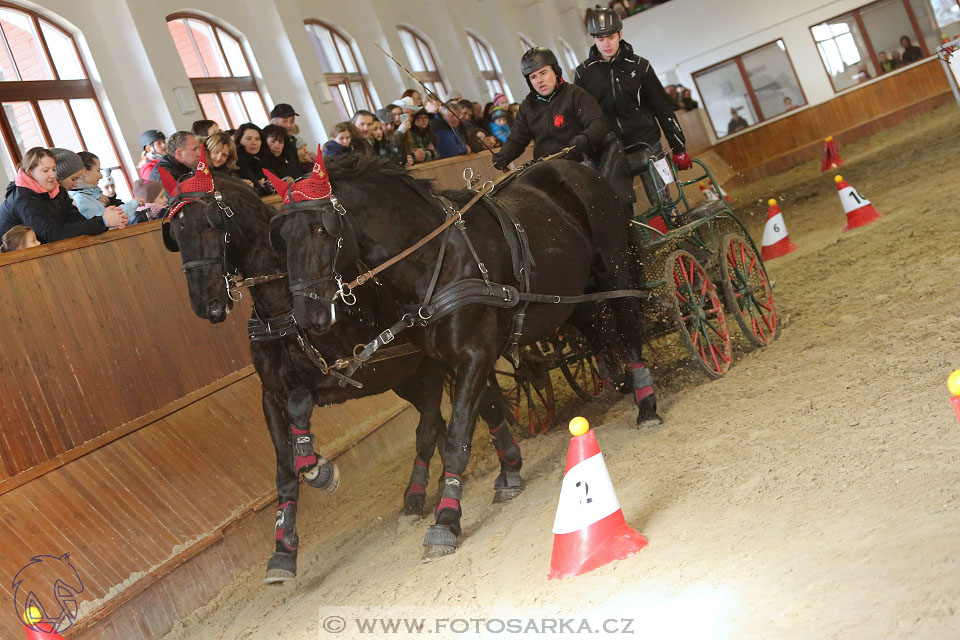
(275, 156)
(479, 140)
(222, 154)
(500, 101)
(19, 237)
(419, 141)
(109, 188)
(885, 64)
(386, 148)
(151, 198)
(204, 129)
(498, 124)
(36, 200)
(249, 145)
(154, 145)
(87, 195)
(339, 142)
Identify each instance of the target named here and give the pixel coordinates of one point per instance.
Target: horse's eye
(320, 230)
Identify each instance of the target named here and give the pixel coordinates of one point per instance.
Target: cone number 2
(586, 490)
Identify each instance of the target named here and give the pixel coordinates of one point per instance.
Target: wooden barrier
(448, 173)
(798, 136)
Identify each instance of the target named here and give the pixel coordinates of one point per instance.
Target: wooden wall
(871, 107)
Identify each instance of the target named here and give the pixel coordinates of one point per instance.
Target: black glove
(500, 162)
(580, 144)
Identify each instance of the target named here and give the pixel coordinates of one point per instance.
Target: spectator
(182, 157)
(109, 189)
(389, 116)
(419, 140)
(36, 200)
(87, 195)
(204, 128)
(154, 145)
(284, 116)
(249, 144)
(911, 52)
(222, 154)
(686, 99)
(500, 101)
(360, 136)
(277, 156)
(788, 104)
(671, 90)
(479, 140)
(385, 148)
(862, 75)
(339, 142)
(451, 135)
(885, 64)
(478, 114)
(306, 158)
(895, 61)
(151, 199)
(415, 96)
(498, 125)
(19, 237)
(737, 122)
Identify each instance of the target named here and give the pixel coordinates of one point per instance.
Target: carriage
(698, 266)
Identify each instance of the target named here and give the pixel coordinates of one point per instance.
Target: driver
(554, 114)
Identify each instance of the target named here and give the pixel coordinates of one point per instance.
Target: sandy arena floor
(813, 492)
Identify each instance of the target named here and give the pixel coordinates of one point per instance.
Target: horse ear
(320, 150)
(279, 185)
(168, 181)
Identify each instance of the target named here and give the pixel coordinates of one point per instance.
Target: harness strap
(272, 328)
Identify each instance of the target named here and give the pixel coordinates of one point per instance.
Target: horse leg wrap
(606, 376)
(304, 455)
(448, 511)
(418, 479)
(642, 381)
(286, 527)
(506, 445)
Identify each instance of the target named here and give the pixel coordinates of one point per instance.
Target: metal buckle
(344, 293)
(386, 337)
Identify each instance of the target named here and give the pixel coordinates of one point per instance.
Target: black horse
(566, 213)
(222, 233)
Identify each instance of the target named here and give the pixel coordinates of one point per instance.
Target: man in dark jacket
(634, 102)
(183, 154)
(555, 114)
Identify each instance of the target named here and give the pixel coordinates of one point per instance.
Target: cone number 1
(856, 196)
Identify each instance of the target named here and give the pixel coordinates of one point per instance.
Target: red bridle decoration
(316, 186)
(200, 182)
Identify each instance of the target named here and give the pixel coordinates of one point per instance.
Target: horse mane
(356, 168)
(235, 189)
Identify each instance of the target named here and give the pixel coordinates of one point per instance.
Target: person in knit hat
(152, 199)
(69, 167)
(109, 188)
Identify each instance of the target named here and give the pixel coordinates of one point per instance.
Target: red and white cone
(953, 384)
(831, 157)
(858, 209)
(710, 194)
(37, 629)
(776, 241)
(589, 530)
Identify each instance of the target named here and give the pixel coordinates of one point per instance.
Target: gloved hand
(682, 161)
(580, 145)
(500, 162)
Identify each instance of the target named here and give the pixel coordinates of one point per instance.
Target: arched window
(572, 62)
(46, 95)
(218, 70)
(341, 68)
(489, 67)
(525, 43)
(422, 61)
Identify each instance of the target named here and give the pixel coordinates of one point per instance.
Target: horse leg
(318, 472)
(597, 324)
(282, 565)
(470, 379)
(424, 390)
(509, 483)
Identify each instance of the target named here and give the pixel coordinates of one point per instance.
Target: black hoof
(507, 486)
(280, 568)
(649, 420)
(439, 541)
(324, 475)
(413, 505)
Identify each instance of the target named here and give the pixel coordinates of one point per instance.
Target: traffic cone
(776, 241)
(589, 530)
(858, 209)
(710, 194)
(831, 157)
(37, 630)
(953, 383)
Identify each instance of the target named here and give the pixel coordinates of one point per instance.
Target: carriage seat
(703, 210)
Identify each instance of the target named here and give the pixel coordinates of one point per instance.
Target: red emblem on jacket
(558, 120)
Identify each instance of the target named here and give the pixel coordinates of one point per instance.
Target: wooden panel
(797, 137)
(448, 173)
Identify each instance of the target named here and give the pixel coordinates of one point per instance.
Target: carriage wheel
(698, 314)
(578, 365)
(528, 395)
(747, 290)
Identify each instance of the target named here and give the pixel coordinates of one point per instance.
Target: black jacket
(251, 169)
(171, 164)
(632, 98)
(552, 124)
(51, 219)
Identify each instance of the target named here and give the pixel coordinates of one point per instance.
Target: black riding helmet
(603, 22)
(535, 58)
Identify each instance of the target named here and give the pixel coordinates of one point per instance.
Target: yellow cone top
(579, 426)
(772, 202)
(953, 383)
(829, 138)
(838, 179)
(32, 616)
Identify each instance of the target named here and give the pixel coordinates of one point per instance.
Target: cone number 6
(776, 227)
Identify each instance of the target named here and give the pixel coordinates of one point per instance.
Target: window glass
(325, 49)
(929, 27)
(359, 97)
(210, 105)
(886, 22)
(63, 53)
(8, 72)
(60, 125)
(94, 131)
(238, 64)
(843, 52)
(251, 100)
(188, 53)
(20, 36)
(208, 48)
(346, 54)
(525, 44)
(570, 55)
(773, 80)
(946, 13)
(235, 108)
(413, 52)
(26, 127)
(724, 94)
(342, 98)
